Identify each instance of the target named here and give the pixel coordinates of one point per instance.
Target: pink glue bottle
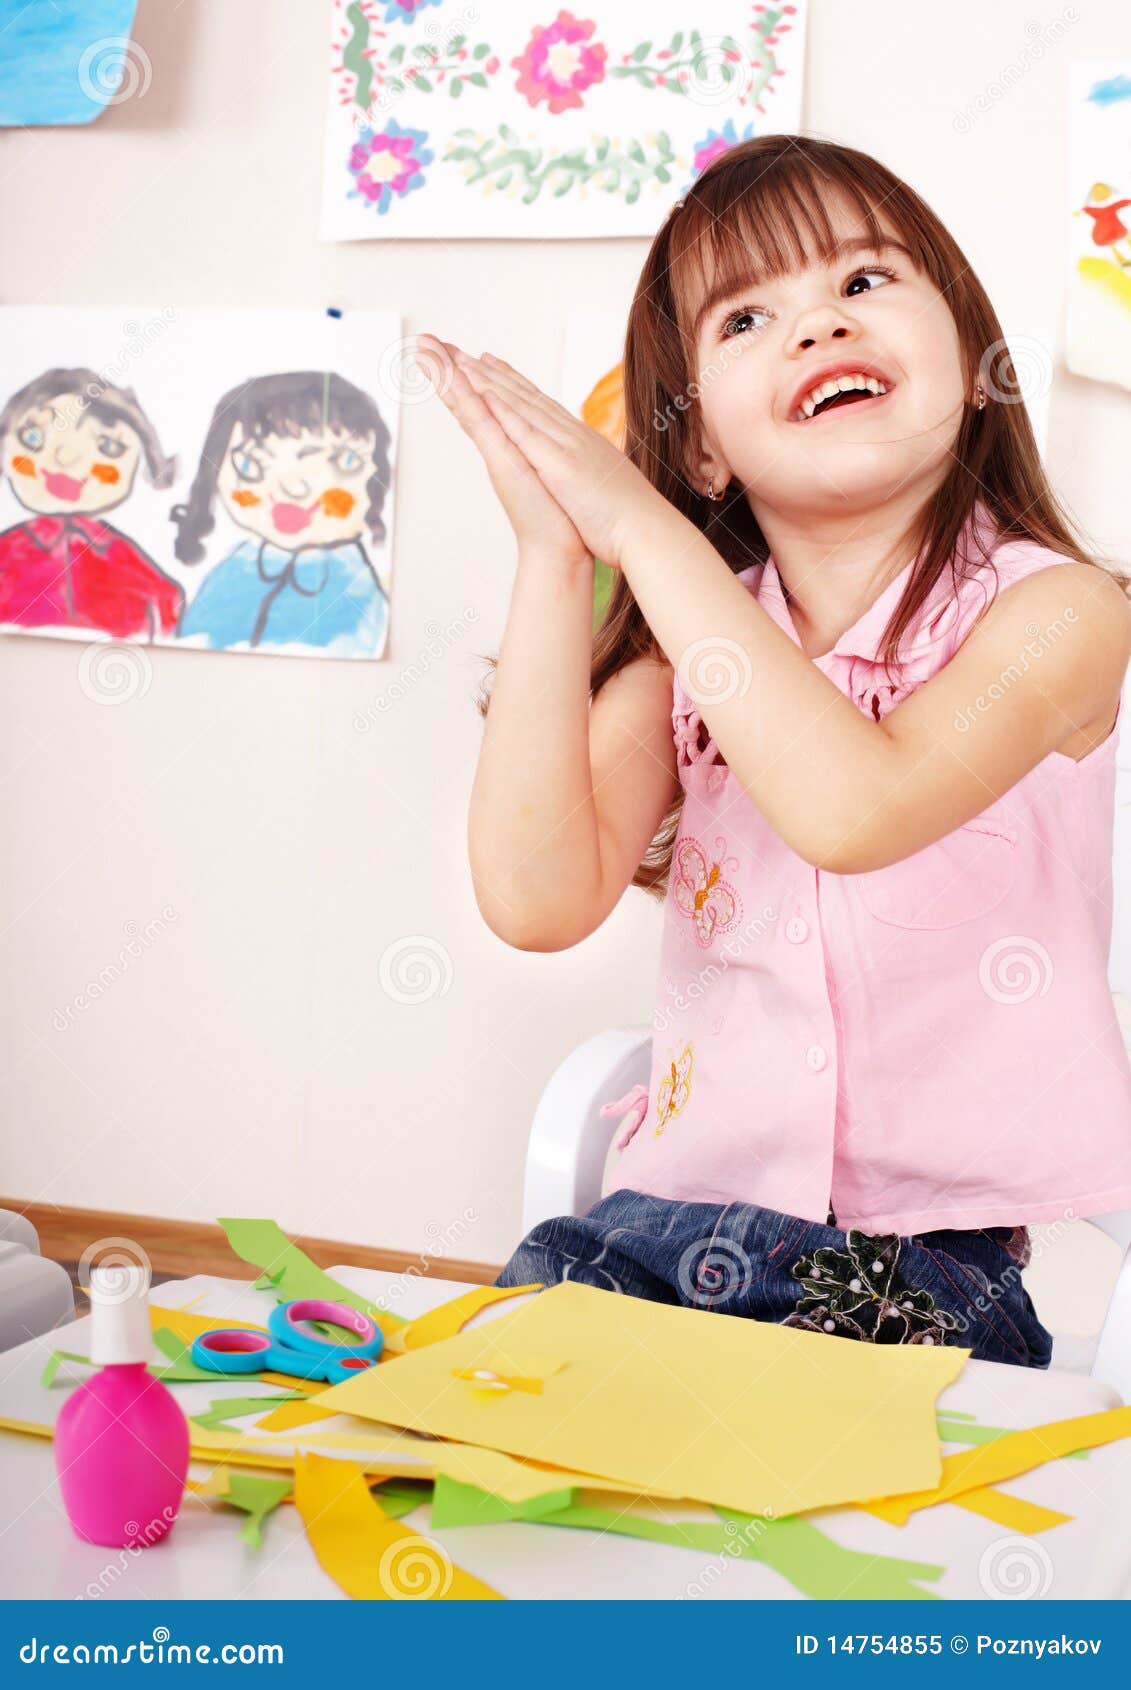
(121, 1441)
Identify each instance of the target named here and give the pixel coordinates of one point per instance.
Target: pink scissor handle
(338, 1314)
(233, 1339)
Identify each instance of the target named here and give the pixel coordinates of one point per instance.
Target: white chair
(35, 1294)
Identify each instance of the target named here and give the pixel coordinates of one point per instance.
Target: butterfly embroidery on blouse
(711, 903)
(674, 1089)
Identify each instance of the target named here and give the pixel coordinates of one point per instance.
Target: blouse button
(797, 930)
(816, 1057)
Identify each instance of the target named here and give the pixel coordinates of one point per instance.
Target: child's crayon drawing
(1098, 329)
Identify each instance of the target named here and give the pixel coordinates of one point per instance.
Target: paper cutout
(225, 1409)
(367, 1554)
(797, 1549)
(401, 1496)
(449, 1318)
(958, 1428)
(454, 1504)
(290, 1273)
(64, 62)
(745, 1414)
(1012, 1512)
(180, 1366)
(1005, 1458)
(292, 1414)
(255, 1496)
(55, 1361)
(485, 1381)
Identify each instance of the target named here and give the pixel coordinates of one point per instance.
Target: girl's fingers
(483, 429)
(532, 405)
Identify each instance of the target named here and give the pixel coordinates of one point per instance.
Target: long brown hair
(763, 205)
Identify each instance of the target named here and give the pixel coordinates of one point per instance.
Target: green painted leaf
(478, 78)
(481, 51)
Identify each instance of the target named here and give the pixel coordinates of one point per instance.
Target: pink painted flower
(560, 63)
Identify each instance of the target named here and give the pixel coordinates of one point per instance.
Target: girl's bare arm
(567, 795)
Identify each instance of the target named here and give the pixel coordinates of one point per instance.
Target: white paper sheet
(521, 118)
(211, 479)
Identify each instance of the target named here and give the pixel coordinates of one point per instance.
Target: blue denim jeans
(943, 1287)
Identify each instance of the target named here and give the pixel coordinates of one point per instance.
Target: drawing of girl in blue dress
(300, 462)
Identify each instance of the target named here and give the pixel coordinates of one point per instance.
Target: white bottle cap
(119, 1316)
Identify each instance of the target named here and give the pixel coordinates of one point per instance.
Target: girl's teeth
(838, 384)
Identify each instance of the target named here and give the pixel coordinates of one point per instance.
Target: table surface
(1088, 1557)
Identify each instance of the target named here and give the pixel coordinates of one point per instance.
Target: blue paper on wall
(64, 61)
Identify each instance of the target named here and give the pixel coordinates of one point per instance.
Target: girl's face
(767, 362)
(306, 489)
(61, 461)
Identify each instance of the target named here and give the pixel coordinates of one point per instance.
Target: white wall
(250, 1060)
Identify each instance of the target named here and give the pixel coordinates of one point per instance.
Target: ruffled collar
(936, 621)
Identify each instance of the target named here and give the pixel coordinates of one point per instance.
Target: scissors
(287, 1348)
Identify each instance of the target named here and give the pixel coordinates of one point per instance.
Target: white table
(203, 1556)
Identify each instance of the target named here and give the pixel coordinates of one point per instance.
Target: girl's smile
(836, 386)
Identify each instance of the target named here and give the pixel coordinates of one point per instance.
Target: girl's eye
(31, 436)
(345, 460)
(109, 446)
(876, 277)
(737, 318)
(247, 467)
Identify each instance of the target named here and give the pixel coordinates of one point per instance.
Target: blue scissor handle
(289, 1349)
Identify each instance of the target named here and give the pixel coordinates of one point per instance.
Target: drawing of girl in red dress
(70, 447)
(1108, 228)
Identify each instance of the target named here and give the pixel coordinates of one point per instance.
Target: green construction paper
(224, 1409)
(799, 1550)
(456, 1504)
(55, 1361)
(287, 1271)
(399, 1497)
(258, 1497)
(822, 1569)
(181, 1368)
(954, 1428)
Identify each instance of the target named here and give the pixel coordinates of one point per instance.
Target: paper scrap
(291, 1414)
(454, 1504)
(1013, 1512)
(223, 1410)
(955, 1428)
(180, 1366)
(449, 1318)
(54, 1361)
(744, 1414)
(1005, 1458)
(400, 1496)
(290, 1273)
(255, 1496)
(367, 1554)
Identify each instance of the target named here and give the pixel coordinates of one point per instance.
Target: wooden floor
(178, 1249)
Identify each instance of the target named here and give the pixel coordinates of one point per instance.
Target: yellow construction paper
(290, 1414)
(1004, 1458)
(449, 1318)
(1012, 1512)
(745, 1414)
(366, 1553)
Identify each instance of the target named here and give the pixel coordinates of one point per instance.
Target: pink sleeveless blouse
(931, 1044)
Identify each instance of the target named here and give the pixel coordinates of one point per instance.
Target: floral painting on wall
(520, 118)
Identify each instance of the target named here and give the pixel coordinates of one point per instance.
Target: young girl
(884, 1041)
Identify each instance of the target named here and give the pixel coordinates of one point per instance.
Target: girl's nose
(294, 488)
(65, 450)
(823, 325)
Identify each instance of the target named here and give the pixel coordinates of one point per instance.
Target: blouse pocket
(957, 879)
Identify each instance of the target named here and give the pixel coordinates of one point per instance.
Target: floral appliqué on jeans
(857, 1293)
